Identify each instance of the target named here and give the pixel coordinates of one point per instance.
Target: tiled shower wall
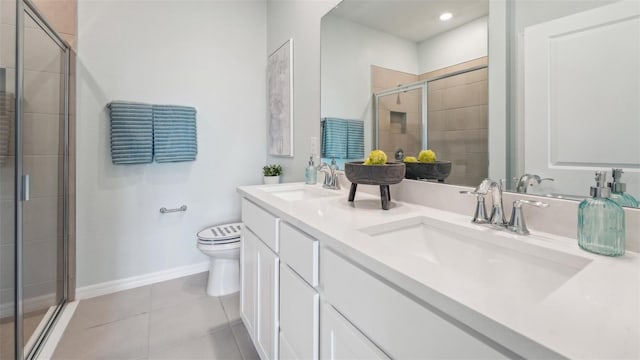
(457, 125)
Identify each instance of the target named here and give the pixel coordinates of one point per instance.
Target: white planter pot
(271, 179)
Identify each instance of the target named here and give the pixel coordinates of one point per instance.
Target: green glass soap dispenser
(618, 190)
(601, 221)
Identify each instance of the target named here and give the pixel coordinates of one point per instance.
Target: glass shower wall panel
(7, 177)
(400, 123)
(43, 150)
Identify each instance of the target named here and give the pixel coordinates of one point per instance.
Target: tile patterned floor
(174, 319)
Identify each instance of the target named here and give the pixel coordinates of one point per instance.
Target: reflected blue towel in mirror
(342, 138)
(334, 138)
(355, 139)
(131, 132)
(175, 135)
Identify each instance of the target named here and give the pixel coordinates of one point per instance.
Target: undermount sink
(299, 192)
(480, 258)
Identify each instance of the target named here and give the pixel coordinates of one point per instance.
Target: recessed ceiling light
(446, 16)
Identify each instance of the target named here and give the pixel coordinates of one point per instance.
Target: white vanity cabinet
(299, 299)
(286, 278)
(340, 340)
(260, 278)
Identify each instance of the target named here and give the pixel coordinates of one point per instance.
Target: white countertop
(594, 314)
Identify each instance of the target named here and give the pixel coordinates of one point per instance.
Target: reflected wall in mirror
(412, 80)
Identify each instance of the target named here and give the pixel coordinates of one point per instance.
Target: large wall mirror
(410, 75)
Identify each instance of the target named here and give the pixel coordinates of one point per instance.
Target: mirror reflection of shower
(400, 122)
(444, 110)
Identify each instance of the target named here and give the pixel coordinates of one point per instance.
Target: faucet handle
(480, 214)
(517, 223)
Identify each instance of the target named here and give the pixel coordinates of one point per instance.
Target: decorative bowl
(438, 170)
(388, 174)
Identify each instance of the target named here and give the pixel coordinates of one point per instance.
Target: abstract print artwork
(280, 88)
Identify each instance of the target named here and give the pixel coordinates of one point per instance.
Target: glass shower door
(7, 177)
(44, 165)
(400, 122)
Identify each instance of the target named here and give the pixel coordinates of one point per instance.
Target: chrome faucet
(517, 224)
(480, 214)
(331, 173)
(526, 181)
(497, 211)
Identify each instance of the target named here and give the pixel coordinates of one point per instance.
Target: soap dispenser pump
(310, 172)
(618, 190)
(601, 221)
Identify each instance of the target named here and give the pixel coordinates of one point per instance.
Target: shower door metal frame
(422, 84)
(27, 8)
(400, 89)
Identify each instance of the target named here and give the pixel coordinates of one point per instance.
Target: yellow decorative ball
(376, 157)
(427, 156)
(410, 159)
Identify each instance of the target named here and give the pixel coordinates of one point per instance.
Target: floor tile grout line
(71, 331)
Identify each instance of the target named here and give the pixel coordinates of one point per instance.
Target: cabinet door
(298, 316)
(340, 340)
(248, 280)
(267, 300)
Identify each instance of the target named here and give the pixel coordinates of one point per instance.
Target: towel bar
(164, 210)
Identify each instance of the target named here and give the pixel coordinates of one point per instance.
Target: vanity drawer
(400, 326)
(300, 252)
(262, 223)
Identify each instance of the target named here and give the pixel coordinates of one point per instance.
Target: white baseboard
(30, 304)
(109, 287)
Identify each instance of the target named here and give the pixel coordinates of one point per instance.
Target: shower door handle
(25, 187)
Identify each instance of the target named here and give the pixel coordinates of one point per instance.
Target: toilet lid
(220, 234)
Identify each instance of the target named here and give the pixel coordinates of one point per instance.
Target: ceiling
(414, 20)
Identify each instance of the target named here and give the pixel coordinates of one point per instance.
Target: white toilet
(221, 243)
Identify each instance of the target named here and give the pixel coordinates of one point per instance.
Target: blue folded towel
(355, 139)
(131, 132)
(334, 138)
(175, 136)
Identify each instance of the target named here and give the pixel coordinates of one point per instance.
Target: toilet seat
(220, 236)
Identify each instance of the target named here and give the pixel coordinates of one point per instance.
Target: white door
(267, 300)
(582, 87)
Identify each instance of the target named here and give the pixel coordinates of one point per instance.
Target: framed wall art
(280, 94)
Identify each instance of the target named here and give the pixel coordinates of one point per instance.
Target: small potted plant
(271, 174)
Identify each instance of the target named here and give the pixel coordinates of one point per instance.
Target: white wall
(464, 43)
(348, 51)
(210, 55)
(300, 21)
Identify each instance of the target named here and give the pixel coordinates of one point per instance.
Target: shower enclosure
(34, 178)
(446, 113)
